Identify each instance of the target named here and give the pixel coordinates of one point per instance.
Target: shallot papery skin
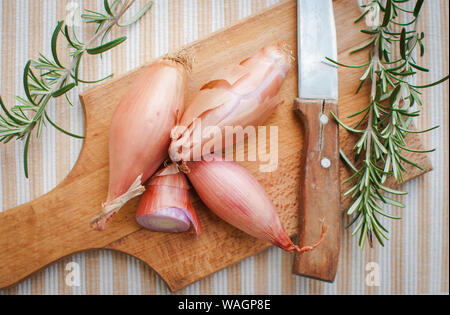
(234, 195)
(240, 95)
(165, 205)
(140, 133)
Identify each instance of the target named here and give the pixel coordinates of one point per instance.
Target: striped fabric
(415, 261)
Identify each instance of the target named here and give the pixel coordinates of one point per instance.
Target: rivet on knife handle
(320, 190)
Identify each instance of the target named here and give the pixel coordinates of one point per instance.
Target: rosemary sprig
(46, 78)
(387, 117)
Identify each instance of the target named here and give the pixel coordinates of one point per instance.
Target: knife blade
(319, 200)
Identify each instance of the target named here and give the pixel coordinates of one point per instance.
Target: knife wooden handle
(319, 191)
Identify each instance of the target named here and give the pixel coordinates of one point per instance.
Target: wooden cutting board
(55, 225)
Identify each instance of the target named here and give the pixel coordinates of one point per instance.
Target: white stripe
(330, 288)
(273, 270)
(358, 276)
(23, 185)
(49, 136)
(161, 26)
(247, 275)
(76, 114)
(23, 192)
(271, 2)
(106, 282)
(384, 255)
(190, 21)
(437, 141)
(245, 8)
(409, 216)
(192, 289)
(220, 282)
(133, 42)
(217, 15)
(134, 286)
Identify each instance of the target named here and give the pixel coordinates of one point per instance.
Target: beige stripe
(424, 181)
(120, 275)
(444, 37)
(62, 150)
(231, 12)
(119, 53)
(175, 25)
(147, 35)
(261, 272)
(62, 111)
(206, 285)
(204, 18)
(37, 283)
(35, 149)
(147, 280)
(288, 281)
(258, 5)
(343, 272)
(34, 47)
(397, 251)
(234, 279)
(397, 236)
(315, 287)
(92, 272)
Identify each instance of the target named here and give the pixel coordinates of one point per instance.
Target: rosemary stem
(75, 60)
(387, 115)
(373, 78)
(55, 79)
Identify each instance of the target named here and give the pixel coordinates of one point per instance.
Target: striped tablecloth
(415, 261)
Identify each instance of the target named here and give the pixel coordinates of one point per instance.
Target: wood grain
(57, 224)
(319, 191)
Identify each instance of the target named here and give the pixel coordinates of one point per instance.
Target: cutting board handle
(38, 233)
(320, 190)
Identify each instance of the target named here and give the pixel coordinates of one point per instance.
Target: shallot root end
(183, 167)
(110, 208)
(309, 248)
(183, 57)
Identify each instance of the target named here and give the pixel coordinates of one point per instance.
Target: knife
(320, 184)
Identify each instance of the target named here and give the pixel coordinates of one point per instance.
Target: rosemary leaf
(386, 118)
(105, 47)
(56, 79)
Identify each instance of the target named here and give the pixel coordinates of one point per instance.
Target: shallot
(234, 195)
(140, 132)
(240, 95)
(165, 205)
